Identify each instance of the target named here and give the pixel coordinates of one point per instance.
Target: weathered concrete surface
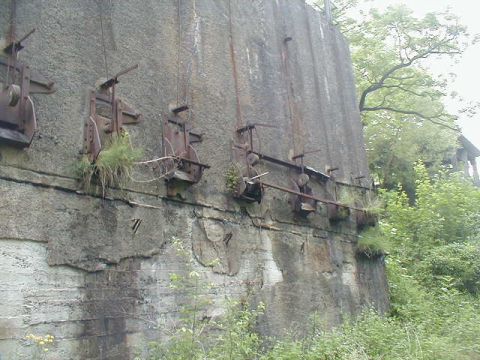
(126, 300)
(73, 265)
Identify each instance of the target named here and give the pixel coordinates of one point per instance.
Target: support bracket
(107, 115)
(178, 139)
(17, 112)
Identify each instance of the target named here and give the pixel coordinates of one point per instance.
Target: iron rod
(133, 67)
(194, 162)
(325, 201)
(287, 164)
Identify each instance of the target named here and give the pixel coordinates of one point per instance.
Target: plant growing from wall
(371, 203)
(197, 337)
(113, 165)
(187, 339)
(372, 206)
(341, 212)
(373, 243)
(232, 178)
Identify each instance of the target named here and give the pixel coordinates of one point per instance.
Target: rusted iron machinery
(17, 112)
(250, 184)
(300, 204)
(108, 114)
(178, 140)
(248, 187)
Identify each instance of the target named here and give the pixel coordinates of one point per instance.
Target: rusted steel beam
(16, 45)
(180, 109)
(325, 201)
(114, 80)
(307, 170)
(194, 162)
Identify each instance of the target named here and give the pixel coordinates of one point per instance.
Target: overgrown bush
(446, 210)
(433, 271)
(233, 338)
(453, 265)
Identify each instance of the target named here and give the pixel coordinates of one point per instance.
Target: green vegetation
(113, 165)
(232, 338)
(196, 337)
(369, 201)
(401, 101)
(372, 242)
(430, 217)
(232, 178)
(433, 268)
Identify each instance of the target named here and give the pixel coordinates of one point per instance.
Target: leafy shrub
(238, 339)
(434, 278)
(233, 338)
(453, 265)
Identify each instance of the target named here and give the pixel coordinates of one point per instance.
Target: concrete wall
(71, 264)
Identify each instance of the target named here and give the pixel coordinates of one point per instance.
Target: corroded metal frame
(98, 127)
(178, 140)
(17, 112)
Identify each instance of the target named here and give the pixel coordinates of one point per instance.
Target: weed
(232, 178)
(373, 243)
(113, 165)
(347, 197)
(371, 203)
(368, 201)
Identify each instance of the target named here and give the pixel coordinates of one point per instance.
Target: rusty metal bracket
(17, 112)
(302, 205)
(248, 186)
(178, 138)
(301, 169)
(107, 115)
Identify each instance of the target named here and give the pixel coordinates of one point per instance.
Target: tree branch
(411, 112)
(379, 84)
(422, 94)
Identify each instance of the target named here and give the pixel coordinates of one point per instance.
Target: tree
(389, 53)
(400, 101)
(394, 143)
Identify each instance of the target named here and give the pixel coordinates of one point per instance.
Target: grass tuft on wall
(113, 166)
